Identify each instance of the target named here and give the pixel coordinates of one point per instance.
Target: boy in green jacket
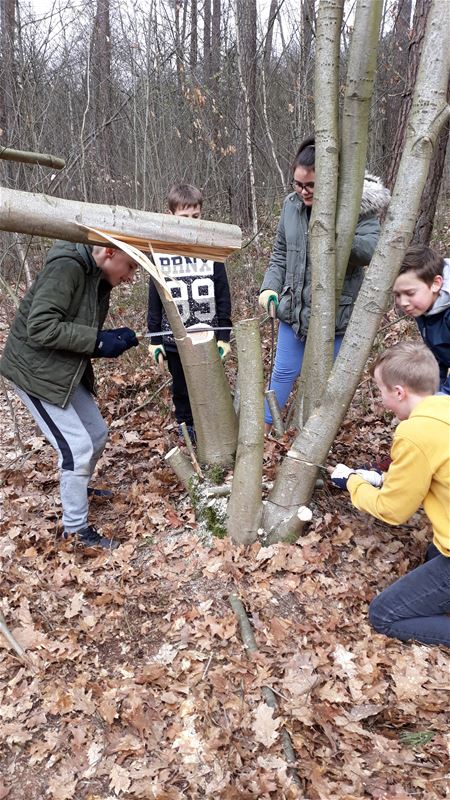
(57, 328)
(415, 606)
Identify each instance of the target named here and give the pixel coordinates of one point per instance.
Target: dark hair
(409, 364)
(183, 195)
(424, 262)
(306, 154)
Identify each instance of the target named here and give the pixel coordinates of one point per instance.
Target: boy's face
(393, 399)
(192, 212)
(413, 296)
(117, 266)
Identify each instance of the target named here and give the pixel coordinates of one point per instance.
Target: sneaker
(90, 537)
(191, 432)
(105, 494)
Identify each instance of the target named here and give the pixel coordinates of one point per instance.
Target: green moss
(215, 474)
(207, 511)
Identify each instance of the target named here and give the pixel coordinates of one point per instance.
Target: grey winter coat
(56, 326)
(289, 272)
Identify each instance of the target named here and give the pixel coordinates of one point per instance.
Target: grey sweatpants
(78, 433)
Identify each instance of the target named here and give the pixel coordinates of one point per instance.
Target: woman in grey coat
(287, 282)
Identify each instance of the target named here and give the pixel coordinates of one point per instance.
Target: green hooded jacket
(56, 326)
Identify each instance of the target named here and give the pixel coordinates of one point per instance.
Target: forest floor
(140, 686)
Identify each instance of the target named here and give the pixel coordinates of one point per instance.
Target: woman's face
(303, 184)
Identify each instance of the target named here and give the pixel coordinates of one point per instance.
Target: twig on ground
(268, 694)
(118, 422)
(191, 451)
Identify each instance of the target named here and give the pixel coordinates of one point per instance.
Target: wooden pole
(57, 218)
(26, 157)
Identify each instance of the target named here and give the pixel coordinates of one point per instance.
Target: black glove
(111, 344)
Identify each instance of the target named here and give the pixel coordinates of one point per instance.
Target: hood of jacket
(374, 200)
(434, 407)
(375, 197)
(82, 253)
(443, 299)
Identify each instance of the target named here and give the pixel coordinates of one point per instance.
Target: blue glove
(340, 476)
(111, 344)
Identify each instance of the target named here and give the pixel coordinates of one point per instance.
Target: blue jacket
(434, 325)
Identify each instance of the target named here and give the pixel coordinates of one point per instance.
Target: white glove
(155, 351)
(371, 476)
(340, 475)
(268, 300)
(224, 349)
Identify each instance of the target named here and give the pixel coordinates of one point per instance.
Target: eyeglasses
(299, 186)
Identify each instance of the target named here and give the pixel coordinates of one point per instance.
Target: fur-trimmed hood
(375, 197)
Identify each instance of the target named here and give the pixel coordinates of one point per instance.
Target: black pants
(180, 395)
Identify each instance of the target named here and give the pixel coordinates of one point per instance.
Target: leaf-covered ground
(140, 685)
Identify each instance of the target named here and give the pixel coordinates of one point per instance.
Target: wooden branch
(11, 640)
(27, 157)
(57, 218)
(191, 451)
(275, 410)
(181, 466)
(268, 694)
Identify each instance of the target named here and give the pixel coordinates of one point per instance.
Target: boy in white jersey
(201, 291)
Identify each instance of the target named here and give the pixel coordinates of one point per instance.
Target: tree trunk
(421, 12)
(8, 76)
(193, 49)
(295, 480)
(430, 194)
(53, 217)
(354, 129)
(320, 340)
(245, 507)
(244, 195)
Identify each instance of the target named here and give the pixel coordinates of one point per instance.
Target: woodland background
(142, 687)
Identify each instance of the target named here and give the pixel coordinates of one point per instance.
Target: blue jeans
(416, 606)
(445, 386)
(288, 363)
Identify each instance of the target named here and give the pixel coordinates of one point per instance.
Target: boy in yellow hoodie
(416, 605)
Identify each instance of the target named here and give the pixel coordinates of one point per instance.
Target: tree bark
(42, 215)
(245, 506)
(25, 157)
(421, 11)
(429, 113)
(320, 341)
(430, 194)
(354, 129)
(244, 193)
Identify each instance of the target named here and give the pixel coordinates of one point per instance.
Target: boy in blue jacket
(202, 294)
(422, 290)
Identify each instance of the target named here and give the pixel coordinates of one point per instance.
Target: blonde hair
(409, 364)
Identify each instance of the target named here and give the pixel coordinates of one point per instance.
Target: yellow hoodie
(419, 473)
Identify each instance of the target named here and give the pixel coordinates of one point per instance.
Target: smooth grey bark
(25, 157)
(54, 217)
(245, 506)
(429, 112)
(354, 128)
(320, 341)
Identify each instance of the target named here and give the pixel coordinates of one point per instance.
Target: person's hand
(157, 352)
(340, 475)
(371, 476)
(224, 349)
(268, 300)
(112, 343)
